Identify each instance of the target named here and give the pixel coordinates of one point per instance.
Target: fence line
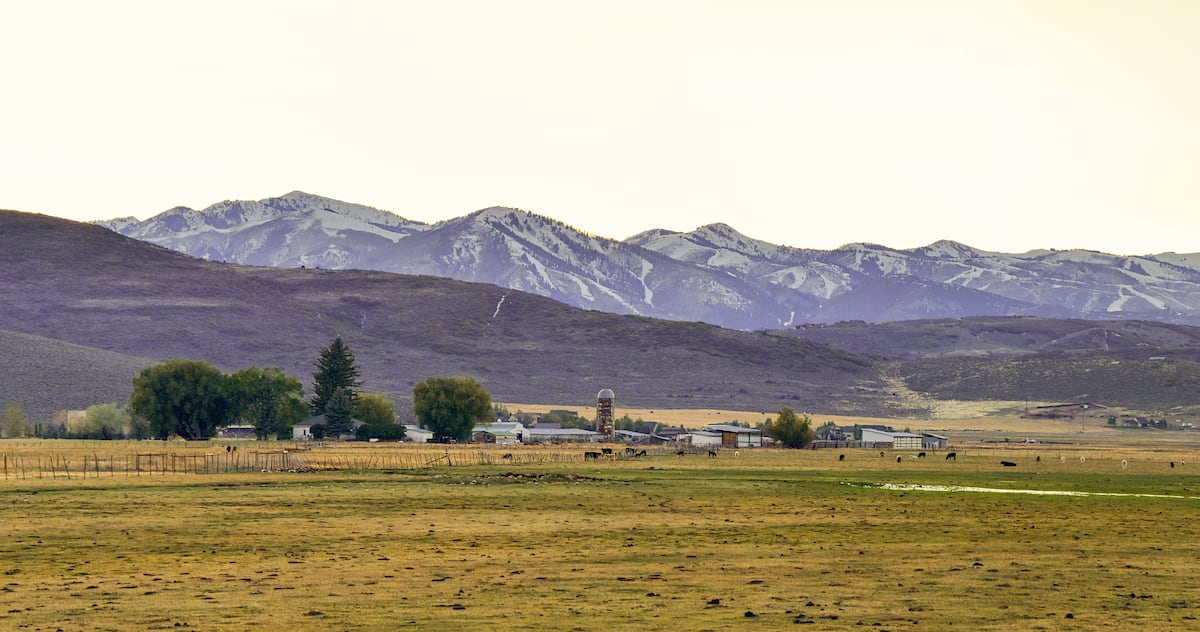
(73, 464)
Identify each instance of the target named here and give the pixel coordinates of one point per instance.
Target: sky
(1005, 125)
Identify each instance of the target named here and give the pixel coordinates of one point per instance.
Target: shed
(737, 436)
(499, 433)
(931, 441)
(303, 430)
(897, 440)
(417, 434)
(562, 435)
(706, 438)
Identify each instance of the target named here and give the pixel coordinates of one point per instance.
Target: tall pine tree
(335, 369)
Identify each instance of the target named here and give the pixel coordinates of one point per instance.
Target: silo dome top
(606, 394)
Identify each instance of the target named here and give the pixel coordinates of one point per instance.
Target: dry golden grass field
(387, 536)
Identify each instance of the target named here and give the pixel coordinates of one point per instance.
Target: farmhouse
(303, 430)
(736, 436)
(896, 440)
(237, 432)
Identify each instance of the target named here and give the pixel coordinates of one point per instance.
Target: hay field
(767, 539)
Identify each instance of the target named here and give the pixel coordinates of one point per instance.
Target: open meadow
(387, 536)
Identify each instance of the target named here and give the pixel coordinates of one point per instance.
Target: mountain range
(712, 274)
(83, 309)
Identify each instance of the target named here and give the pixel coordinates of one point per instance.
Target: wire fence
(71, 464)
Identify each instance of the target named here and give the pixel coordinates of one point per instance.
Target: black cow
(591, 456)
(1008, 464)
(951, 456)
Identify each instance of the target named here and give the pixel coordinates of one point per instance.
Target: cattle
(507, 457)
(920, 455)
(1124, 463)
(951, 456)
(1039, 458)
(681, 453)
(606, 451)
(1008, 464)
(899, 459)
(591, 456)
(629, 451)
(1172, 465)
(737, 453)
(841, 457)
(712, 454)
(640, 453)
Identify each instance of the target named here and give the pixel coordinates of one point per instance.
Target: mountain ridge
(713, 274)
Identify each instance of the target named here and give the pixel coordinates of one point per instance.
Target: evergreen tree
(339, 413)
(335, 369)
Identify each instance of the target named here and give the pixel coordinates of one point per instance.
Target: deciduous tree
(184, 397)
(102, 421)
(268, 399)
(14, 422)
(451, 406)
(790, 430)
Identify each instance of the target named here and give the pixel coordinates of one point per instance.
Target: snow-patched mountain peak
(713, 274)
(947, 249)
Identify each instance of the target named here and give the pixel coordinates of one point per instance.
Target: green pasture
(765, 540)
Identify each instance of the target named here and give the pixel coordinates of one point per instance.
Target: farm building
(237, 432)
(417, 434)
(303, 430)
(706, 438)
(499, 433)
(737, 436)
(897, 440)
(930, 441)
(561, 435)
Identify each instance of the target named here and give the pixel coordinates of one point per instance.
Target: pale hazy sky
(1004, 125)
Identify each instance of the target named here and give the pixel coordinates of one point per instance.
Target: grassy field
(767, 539)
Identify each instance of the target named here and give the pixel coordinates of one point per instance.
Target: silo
(604, 413)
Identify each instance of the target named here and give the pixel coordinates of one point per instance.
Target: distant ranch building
(539, 434)
(736, 436)
(894, 440)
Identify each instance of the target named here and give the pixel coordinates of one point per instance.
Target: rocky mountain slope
(85, 285)
(712, 274)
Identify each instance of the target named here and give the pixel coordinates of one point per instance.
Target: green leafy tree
(335, 369)
(266, 399)
(185, 397)
(451, 406)
(378, 415)
(14, 422)
(339, 413)
(374, 409)
(790, 430)
(102, 421)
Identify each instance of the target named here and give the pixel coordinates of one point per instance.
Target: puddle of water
(907, 487)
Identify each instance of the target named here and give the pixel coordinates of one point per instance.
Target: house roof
(322, 420)
(561, 432)
(732, 428)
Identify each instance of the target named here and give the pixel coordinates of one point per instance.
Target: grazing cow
(507, 457)
(951, 456)
(881, 454)
(899, 459)
(1039, 458)
(1008, 464)
(629, 451)
(1083, 459)
(606, 451)
(640, 453)
(1124, 463)
(920, 455)
(681, 453)
(841, 457)
(591, 456)
(737, 453)
(712, 454)
(1172, 465)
